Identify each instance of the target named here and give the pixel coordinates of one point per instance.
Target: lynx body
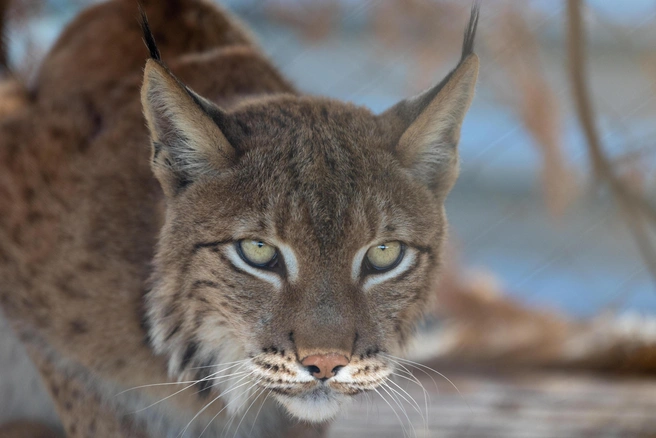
(265, 259)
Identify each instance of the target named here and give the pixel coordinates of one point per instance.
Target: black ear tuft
(470, 32)
(148, 37)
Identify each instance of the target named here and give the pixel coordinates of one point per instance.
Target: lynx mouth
(319, 402)
(315, 399)
(317, 405)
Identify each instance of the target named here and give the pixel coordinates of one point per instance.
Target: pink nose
(325, 366)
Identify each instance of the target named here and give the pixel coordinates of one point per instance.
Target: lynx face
(302, 237)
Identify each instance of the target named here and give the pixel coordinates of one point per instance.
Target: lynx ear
(427, 126)
(187, 143)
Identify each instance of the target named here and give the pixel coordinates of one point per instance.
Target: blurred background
(528, 208)
(551, 225)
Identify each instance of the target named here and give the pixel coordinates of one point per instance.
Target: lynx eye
(385, 256)
(257, 253)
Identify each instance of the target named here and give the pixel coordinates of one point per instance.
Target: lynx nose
(325, 366)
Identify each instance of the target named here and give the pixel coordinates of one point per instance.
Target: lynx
(263, 265)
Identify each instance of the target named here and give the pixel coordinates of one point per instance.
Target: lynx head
(302, 236)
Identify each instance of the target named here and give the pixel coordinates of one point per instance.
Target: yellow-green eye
(257, 253)
(385, 256)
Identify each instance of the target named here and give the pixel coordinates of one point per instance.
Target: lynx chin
(267, 262)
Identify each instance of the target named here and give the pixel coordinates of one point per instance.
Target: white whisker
(235, 363)
(405, 432)
(414, 403)
(156, 384)
(166, 398)
(396, 400)
(215, 399)
(210, 377)
(427, 400)
(258, 394)
(250, 433)
(216, 380)
(191, 382)
(421, 367)
(369, 403)
(437, 388)
(226, 406)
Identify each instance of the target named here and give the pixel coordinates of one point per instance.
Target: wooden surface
(522, 404)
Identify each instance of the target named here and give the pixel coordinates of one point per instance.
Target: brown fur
(115, 279)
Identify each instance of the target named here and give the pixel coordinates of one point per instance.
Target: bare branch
(634, 208)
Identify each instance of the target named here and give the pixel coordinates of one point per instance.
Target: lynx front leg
(81, 410)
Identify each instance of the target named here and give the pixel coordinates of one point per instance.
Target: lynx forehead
(302, 236)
